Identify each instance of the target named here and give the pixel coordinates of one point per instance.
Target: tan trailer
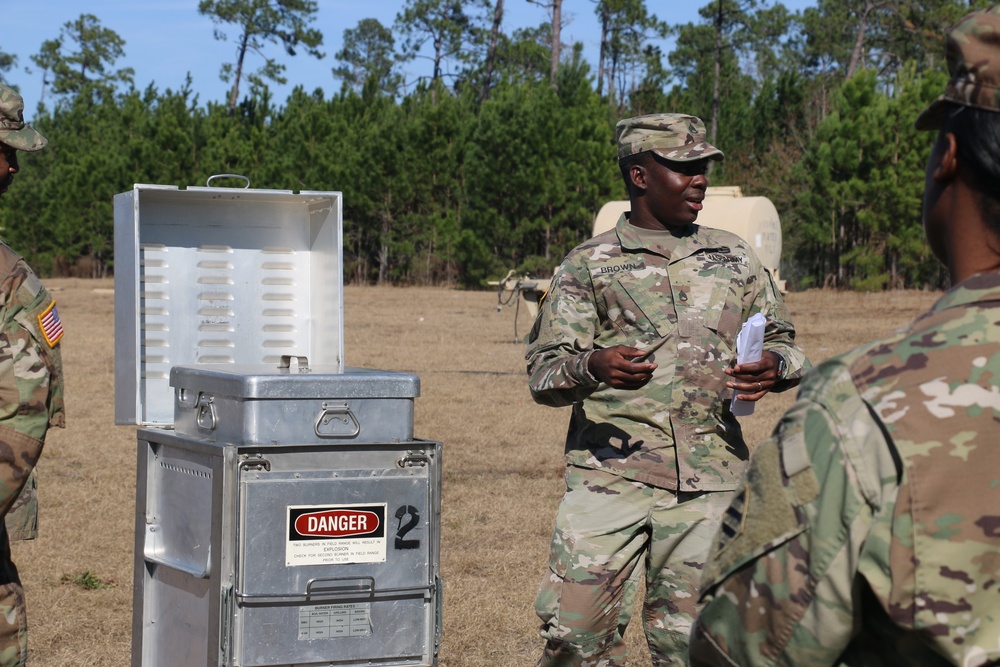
(754, 219)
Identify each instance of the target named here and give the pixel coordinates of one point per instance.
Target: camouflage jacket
(867, 531)
(612, 290)
(31, 390)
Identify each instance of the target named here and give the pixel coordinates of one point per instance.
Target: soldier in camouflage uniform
(867, 531)
(653, 448)
(30, 385)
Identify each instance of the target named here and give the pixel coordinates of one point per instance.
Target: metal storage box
(259, 405)
(285, 555)
(285, 514)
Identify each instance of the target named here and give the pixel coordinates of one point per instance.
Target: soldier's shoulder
(9, 259)
(606, 238)
(603, 245)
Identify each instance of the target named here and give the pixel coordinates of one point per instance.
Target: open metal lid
(221, 277)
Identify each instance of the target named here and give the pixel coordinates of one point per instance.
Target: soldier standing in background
(30, 383)
(867, 531)
(653, 448)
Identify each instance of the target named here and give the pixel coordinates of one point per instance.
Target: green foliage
(88, 67)
(87, 580)
(7, 61)
(542, 207)
(857, 218)
(453, 32)
(626, 27)
(368, 58)
(447, 185)
(259, 22)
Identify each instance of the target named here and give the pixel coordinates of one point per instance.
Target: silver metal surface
(183, 550)
(224, 578)
(268, 405)
(285, 515)
(221, 276)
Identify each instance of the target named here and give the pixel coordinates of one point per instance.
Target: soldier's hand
(614, 366)
(753, 380)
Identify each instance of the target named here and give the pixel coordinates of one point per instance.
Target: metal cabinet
(286, 555)
(285, 513)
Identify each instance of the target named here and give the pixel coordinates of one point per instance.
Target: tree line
(500, 157)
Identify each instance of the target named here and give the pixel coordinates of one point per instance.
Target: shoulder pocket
(763, 515)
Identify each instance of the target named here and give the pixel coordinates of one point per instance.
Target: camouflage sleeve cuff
(795, 365)
(563, 381)
(586, 377)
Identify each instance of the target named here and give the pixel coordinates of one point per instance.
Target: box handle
(336, 420)
(152, 553)
(337, 589)
(340, 586)
(187, 398)
(208, 182)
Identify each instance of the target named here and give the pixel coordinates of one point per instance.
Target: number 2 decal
(403, 529)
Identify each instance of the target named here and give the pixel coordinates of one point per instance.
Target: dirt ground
(502, 463)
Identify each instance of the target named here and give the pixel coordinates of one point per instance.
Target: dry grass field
(502, 465)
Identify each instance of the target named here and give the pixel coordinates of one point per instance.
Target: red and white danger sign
(335, 534)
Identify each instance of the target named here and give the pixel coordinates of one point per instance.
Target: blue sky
(166, 39)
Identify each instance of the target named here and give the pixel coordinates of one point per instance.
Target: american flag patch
(51, 325)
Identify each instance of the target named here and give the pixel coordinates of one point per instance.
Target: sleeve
(30, 378)
(779, 335)
(562, 339)
(779, 584)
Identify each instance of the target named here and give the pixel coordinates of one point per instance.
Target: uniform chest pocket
(709, 302)
(640, 307)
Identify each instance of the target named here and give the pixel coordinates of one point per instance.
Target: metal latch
(254, 462)
(336, 420)
(414, 459)
(301, 363)
(206, 417)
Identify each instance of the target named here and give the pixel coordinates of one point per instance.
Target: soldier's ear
(947, 160)
(637, 176)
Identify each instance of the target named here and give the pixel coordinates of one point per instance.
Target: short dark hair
(977, 135)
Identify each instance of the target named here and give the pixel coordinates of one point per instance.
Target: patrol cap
(673, 136)
(13, 130)
(972, 50)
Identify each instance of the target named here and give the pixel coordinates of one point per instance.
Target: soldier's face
(8, 166)
(676, 190)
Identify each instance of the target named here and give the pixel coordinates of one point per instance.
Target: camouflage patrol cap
(673, 136)
(13, 130)
(973, 54)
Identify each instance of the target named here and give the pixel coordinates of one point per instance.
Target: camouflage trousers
(13, 622)
(606, 526)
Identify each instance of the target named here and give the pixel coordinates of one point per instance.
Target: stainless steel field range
(285, 513)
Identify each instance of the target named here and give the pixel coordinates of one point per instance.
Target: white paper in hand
(749, 348)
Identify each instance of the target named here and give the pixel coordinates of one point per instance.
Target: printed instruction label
(330, 621)
(335, 534)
